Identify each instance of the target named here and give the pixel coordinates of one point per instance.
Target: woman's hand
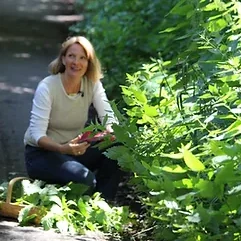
(74, 148)
(109, 128)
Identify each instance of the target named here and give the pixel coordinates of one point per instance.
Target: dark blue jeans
(53, 167)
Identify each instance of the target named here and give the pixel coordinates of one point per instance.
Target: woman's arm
(102, 106)
(71, 148)
(40, 113)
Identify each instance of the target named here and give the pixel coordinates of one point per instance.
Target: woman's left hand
(74, 148)
(78, 148)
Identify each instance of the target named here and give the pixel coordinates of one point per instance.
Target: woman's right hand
(74, 148)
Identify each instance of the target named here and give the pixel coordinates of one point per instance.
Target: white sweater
(60, 116)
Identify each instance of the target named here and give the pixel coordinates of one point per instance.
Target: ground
(11, 231)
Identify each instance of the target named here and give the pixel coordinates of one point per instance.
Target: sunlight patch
(15, 89)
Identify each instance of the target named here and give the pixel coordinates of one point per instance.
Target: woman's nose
(75, 60)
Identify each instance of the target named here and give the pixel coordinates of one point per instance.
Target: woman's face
(75, 61)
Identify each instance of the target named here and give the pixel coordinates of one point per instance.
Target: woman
(59, 112)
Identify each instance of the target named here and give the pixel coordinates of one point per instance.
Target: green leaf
(210, 7)
(24, 218)
(123, 135)
(56, 199)
(140, 96)
(195, 218)
(225, 174)
(153, 185)
(56, 209)
(173, 155)
(48, 221)
(171, 204)
(182, 8)
(31, 188)
(172, 29)
(220, 159)
(235, 190)
(206, 188)
(76, 190)
(168, 185)
(203, 214)
(101, 217)
(192, 161)
(233, 130)
(184, 183)
(63, 226)
(174, 169)
(83, 208)
(150, 110)
(103, 205)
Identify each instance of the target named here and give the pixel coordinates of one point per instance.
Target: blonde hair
(93, 71)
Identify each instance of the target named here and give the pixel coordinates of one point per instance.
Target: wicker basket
(11, 210)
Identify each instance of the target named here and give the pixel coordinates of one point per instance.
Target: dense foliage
(181, 137)
(124, 33)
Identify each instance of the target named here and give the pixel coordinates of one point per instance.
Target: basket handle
(10, 187)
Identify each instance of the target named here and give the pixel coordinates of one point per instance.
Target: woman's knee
(78, 173)
(90, 179)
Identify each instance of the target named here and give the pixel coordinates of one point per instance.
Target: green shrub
(125, 34)
(184, 124)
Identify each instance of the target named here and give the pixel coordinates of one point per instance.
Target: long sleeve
(101, 104)
(40, 113)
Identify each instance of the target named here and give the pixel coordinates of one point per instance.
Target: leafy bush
(124, 33)
(69, 210)
(182, 137)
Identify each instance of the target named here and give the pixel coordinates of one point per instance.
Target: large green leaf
(205, 188)
(192, 161)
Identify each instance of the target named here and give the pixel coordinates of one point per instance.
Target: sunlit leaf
(140, 96)
(56, 209)
(31, 188)
(192, 161)
(183, 183)
(174, 169)
(171, 204)
(173, 155)
(195, 218)
(220, 159)
(235, 190)
(233, 130)
(103, 205)
(24, 215)
(150, 110)
(63, 226)
(56, 199)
